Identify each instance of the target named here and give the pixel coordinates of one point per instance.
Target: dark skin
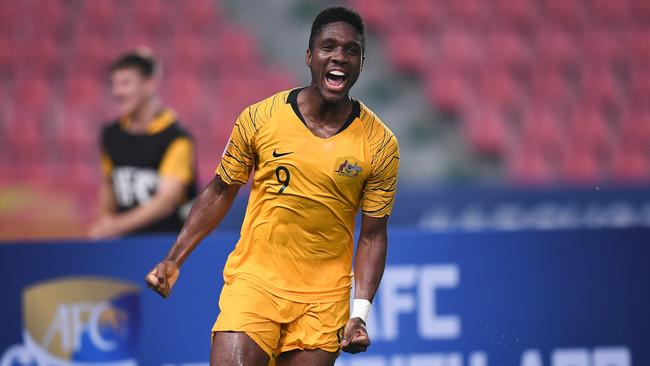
(325, 107)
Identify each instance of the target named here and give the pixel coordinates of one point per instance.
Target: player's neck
(144, 115)
(320, 112)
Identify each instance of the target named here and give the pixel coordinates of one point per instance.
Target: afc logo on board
(78, 321)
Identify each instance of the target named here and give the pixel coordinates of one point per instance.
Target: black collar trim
(293, 100)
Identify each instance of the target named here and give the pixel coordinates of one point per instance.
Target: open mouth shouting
(335, 80)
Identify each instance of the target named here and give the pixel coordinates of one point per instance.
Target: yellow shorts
(278, 325)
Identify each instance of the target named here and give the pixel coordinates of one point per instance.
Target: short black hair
(338, 14)
(141, 59)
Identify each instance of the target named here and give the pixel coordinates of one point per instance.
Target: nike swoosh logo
(277, 154)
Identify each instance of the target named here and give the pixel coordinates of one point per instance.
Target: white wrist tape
(360, 309)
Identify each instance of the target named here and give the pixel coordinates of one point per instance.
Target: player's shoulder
(280, 96)
(374, 127)
(111, 128)
(178, 129)
(259, 113)
(271, 103)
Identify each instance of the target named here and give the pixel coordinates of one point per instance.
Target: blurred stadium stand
(549, 88)
(524, 92)
(54, 96)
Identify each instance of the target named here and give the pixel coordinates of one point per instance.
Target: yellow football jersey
(297, 236)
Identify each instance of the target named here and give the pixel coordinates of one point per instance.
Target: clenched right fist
(162, 278)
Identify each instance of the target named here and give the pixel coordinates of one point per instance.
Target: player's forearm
(106, 200)
(141, 216)
(370, 261)
(207, 212)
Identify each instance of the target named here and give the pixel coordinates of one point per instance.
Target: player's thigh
(316, 357)
(236, 349)
(247, 309)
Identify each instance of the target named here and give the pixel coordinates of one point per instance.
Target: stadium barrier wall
(498, 208)
(527, 298)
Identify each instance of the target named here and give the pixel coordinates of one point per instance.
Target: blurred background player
(318, 156)
(147, 157)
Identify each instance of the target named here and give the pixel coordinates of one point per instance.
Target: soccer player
(147, 157)
(317, 156)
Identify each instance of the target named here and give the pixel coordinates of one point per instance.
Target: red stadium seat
(8, 57)
(91, 56)
(470, 13)
(379, 15)
(83, 94)
(276, 80)
(629, 164)
(39, 57)
(34, 95)
(423, 15)
(500, 89)
(570, 14)
(46, 18)
(557, 48)
(551, 86)
(611, 13)
(486, 131)
(101, 16)
(189, 54)
(519, 14)
(243, 53)
(510, 51)
(461, 49)
(602, 46)
(24, 136)
(600, 88)
(580, 165)
(635, 129)
(541, 129)
(640, 88)
(185, 95)
(528, 166)
(590, 131)
(199, 16)
(408, 51)
(640, 48)
(640, 10)
(152, 17)
(447, 90)
(12, 18)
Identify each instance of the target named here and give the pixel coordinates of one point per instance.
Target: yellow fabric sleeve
(178, 161)
(237, 160)
(379, 189)
(107, 164)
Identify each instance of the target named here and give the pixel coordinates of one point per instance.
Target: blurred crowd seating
(54, 95)
(556, 90)
(559, 90)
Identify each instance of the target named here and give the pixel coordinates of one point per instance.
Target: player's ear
(363, 61)
(308, 57)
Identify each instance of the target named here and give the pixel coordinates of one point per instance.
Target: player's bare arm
(164, 202)
(106, 200)
(207, 212)
(369, 264)
(107, 208)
